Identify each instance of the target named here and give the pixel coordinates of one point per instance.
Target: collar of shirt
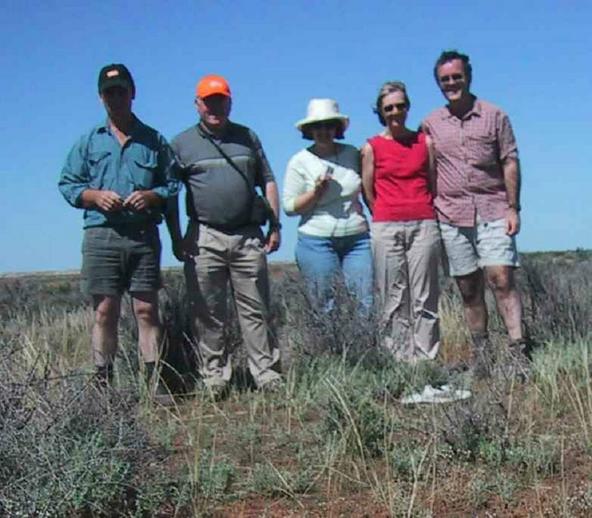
(475, 110)
(204, 132)
(135, 130)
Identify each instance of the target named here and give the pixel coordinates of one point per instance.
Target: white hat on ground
(443, 394)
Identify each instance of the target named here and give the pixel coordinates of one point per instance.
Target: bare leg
(502, 282)
(104, 331)
(149, 329)
(472, 290)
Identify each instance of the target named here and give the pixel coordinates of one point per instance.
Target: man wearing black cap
(121, 173)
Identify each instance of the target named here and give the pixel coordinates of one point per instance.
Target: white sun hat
(323, 110)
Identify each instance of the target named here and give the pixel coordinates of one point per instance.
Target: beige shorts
(471, 248)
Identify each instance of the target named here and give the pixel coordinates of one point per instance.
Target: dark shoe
(216, 391)
(484, 364)
(103, 378)
(157, 389)
(483, 357)
(191, 385)
(522, 347)
(457, 369)
(458, 374)
(520, 356)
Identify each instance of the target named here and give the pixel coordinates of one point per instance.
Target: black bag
(261, 211)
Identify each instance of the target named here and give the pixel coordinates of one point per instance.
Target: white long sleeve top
(339, 211)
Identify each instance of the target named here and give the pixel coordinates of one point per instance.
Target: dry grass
(334, 442)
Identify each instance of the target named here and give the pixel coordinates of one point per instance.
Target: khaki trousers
(406, 257)
(219, 259)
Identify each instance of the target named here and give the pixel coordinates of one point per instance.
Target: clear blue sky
(530, 58)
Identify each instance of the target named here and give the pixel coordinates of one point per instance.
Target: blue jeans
(325, 260)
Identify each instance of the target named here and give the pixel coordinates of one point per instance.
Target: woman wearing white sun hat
(323, 185)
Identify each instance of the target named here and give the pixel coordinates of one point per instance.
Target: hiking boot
(216, 391)
(157, 389)
(103, 377)
(191, 385)
(483, 358)
(520, 355)
(522, 347)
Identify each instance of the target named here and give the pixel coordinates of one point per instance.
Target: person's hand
(512, 222)
(273, 241)
(141, 200)
(109, 201)
(321, 184)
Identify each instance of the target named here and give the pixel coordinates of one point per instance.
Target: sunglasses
(115, 91)
(452, 77)
(390, 107)
(330, 124)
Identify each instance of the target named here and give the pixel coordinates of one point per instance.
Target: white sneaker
(442, 394)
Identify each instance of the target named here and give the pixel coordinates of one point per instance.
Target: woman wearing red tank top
(405, 236)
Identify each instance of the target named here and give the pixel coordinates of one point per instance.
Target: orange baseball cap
(212, 85)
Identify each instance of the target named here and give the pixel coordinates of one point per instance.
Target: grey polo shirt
(217, 194)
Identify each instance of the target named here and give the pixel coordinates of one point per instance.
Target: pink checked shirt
(469, 153)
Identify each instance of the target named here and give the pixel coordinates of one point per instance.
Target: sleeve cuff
(162, 192)
(76, 198)
(289, 206)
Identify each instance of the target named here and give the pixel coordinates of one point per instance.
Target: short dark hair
(339, 129)
(450, 55)
(388, 88)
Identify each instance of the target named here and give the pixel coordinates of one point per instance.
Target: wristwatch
(515, 206)
(275, 226)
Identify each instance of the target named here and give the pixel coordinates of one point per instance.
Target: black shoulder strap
(224, 155)
(270, 214)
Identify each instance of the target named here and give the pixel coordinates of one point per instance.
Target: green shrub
(351, 411)
(215, 476)
(270, 481)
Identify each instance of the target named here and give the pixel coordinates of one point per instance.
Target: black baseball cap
(115, 74)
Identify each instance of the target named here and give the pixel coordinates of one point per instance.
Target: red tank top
(401, 179)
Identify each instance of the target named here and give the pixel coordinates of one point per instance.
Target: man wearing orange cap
(223, 163)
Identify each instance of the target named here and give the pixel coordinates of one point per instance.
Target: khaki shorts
(471, 248)
(119, 259)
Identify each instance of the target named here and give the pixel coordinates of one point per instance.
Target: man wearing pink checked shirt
(477, 202)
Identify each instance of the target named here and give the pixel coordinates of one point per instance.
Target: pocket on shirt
(483, 149)
(98, 163)
(144, 174)
(97, 157)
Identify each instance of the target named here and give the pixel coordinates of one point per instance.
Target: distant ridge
(274, 265)
(579, 254)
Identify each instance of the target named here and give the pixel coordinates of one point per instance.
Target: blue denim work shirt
(99, 161)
